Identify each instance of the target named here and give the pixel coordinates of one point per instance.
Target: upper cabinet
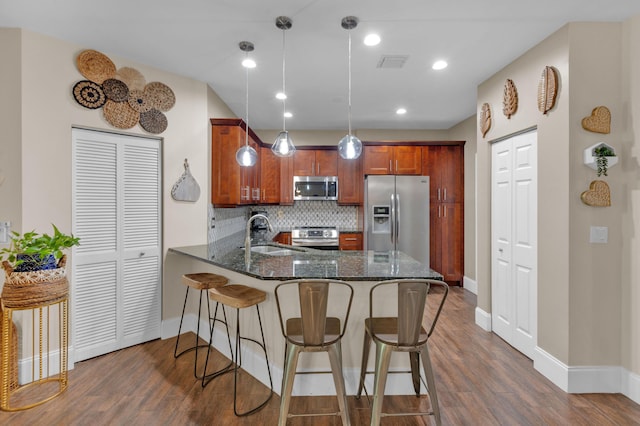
(444, 164)
(350, 182)
(269, 176)
(392, 160)
(232, 185)
(315, 162)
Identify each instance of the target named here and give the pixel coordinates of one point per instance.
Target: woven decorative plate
(153, 121)
(95, 66)
(120, 115)
(115, 90)
(132, 78)
(89, 94)
(160, 95)
(138, 101)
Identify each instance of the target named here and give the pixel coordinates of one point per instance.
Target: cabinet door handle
(390, 167)
(350, 239)
(439, 211)
(445, 194)
(396, 166)
(438, 194)
(444, 211)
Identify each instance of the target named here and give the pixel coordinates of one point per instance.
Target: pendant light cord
(349, 97)
(246, 110)
(284, 92)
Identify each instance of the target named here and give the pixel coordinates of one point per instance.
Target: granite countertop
(298, 262)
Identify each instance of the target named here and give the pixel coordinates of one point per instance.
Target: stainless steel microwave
(315, 187)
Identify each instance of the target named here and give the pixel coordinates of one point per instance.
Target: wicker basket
(13, 354)
(25, 290)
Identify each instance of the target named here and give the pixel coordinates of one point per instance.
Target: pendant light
(247, 156)
(283, 145)
(349, 147)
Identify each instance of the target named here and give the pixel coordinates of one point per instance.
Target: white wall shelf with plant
(591, 156)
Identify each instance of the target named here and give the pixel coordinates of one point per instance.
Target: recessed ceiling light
(401, 111)
(372, 40)
(281, 96)
(439, 65)
(288, 114)
(249, 63)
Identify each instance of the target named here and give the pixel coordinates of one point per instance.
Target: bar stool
(313, 331)
(403, 333)
(241, 296)
(202, 281)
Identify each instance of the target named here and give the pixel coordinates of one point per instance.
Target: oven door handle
(312, 242)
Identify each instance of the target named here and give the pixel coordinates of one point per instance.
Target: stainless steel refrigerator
(397, 215)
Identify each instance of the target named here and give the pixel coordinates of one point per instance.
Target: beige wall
(582, 319)
(629, 150)
(10, 116)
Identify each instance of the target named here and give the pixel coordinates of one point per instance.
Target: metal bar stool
(403, 333)
(241, 296)
(313, 331)
(202, 281)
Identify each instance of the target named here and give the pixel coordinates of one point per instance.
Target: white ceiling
(199, 39)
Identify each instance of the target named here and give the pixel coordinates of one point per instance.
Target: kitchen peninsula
(273, 263)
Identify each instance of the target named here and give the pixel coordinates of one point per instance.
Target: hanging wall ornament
(598, 194)
(95, 66)
(131, 77)
(160, 96)
(186, 188)
(120, 114)
(547, 89)
(89, 94)
(599, 121)
(510, 98)
(153, 121)
(115, 90)
(485, 119)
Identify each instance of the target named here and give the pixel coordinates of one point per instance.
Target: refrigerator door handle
(397, 222)
(393, 219)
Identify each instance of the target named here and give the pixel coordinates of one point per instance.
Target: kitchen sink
(274, 250)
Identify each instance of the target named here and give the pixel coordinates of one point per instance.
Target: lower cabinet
(447, 240)
(283, 238)
(350, 241)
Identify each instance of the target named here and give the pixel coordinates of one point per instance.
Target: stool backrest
(412, 298)
(317, 329)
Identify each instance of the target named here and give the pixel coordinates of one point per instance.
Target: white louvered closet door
(116, 275)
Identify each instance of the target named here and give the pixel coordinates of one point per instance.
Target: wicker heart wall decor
(123, 94)
(598, 194)
(599, 121)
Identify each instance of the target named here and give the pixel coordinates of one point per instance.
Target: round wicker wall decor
(89, 94)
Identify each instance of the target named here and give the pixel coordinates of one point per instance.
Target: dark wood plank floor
(480, 379)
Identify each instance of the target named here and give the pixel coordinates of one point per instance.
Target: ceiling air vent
(392, 61)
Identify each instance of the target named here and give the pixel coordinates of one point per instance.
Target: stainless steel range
(317, 237)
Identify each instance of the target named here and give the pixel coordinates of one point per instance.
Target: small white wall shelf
(590, 158)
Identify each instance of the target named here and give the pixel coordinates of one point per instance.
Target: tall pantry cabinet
(444, 164)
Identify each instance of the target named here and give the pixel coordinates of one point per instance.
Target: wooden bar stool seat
(239, 297)
(202, 281)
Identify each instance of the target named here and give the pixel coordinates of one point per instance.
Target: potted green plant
(602, 154)
(34, 252)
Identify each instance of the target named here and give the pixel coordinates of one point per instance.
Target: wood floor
(480, 380)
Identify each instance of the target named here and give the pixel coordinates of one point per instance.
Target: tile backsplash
(225, 222)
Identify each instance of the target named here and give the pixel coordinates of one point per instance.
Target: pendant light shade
(246, 156)
(349, 147)
(283, 145)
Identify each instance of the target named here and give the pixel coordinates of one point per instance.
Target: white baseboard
(588, 379)
(470, 285)
(483, 319)
(50, 366)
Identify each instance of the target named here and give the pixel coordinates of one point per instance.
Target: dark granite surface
(308, 263)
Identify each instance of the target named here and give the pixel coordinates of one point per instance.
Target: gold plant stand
(45, 295)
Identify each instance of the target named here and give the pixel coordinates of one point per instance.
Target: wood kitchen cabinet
(446, 246)
(392, 160)
(350, 241)
(231, 184)
(444, 164)
(286, 181)
(283, 238)
(350, 182)
(270, 185)
(315, 162)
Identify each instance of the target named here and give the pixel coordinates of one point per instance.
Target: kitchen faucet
(247, 238)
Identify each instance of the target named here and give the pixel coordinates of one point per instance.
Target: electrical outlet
(599, 234)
